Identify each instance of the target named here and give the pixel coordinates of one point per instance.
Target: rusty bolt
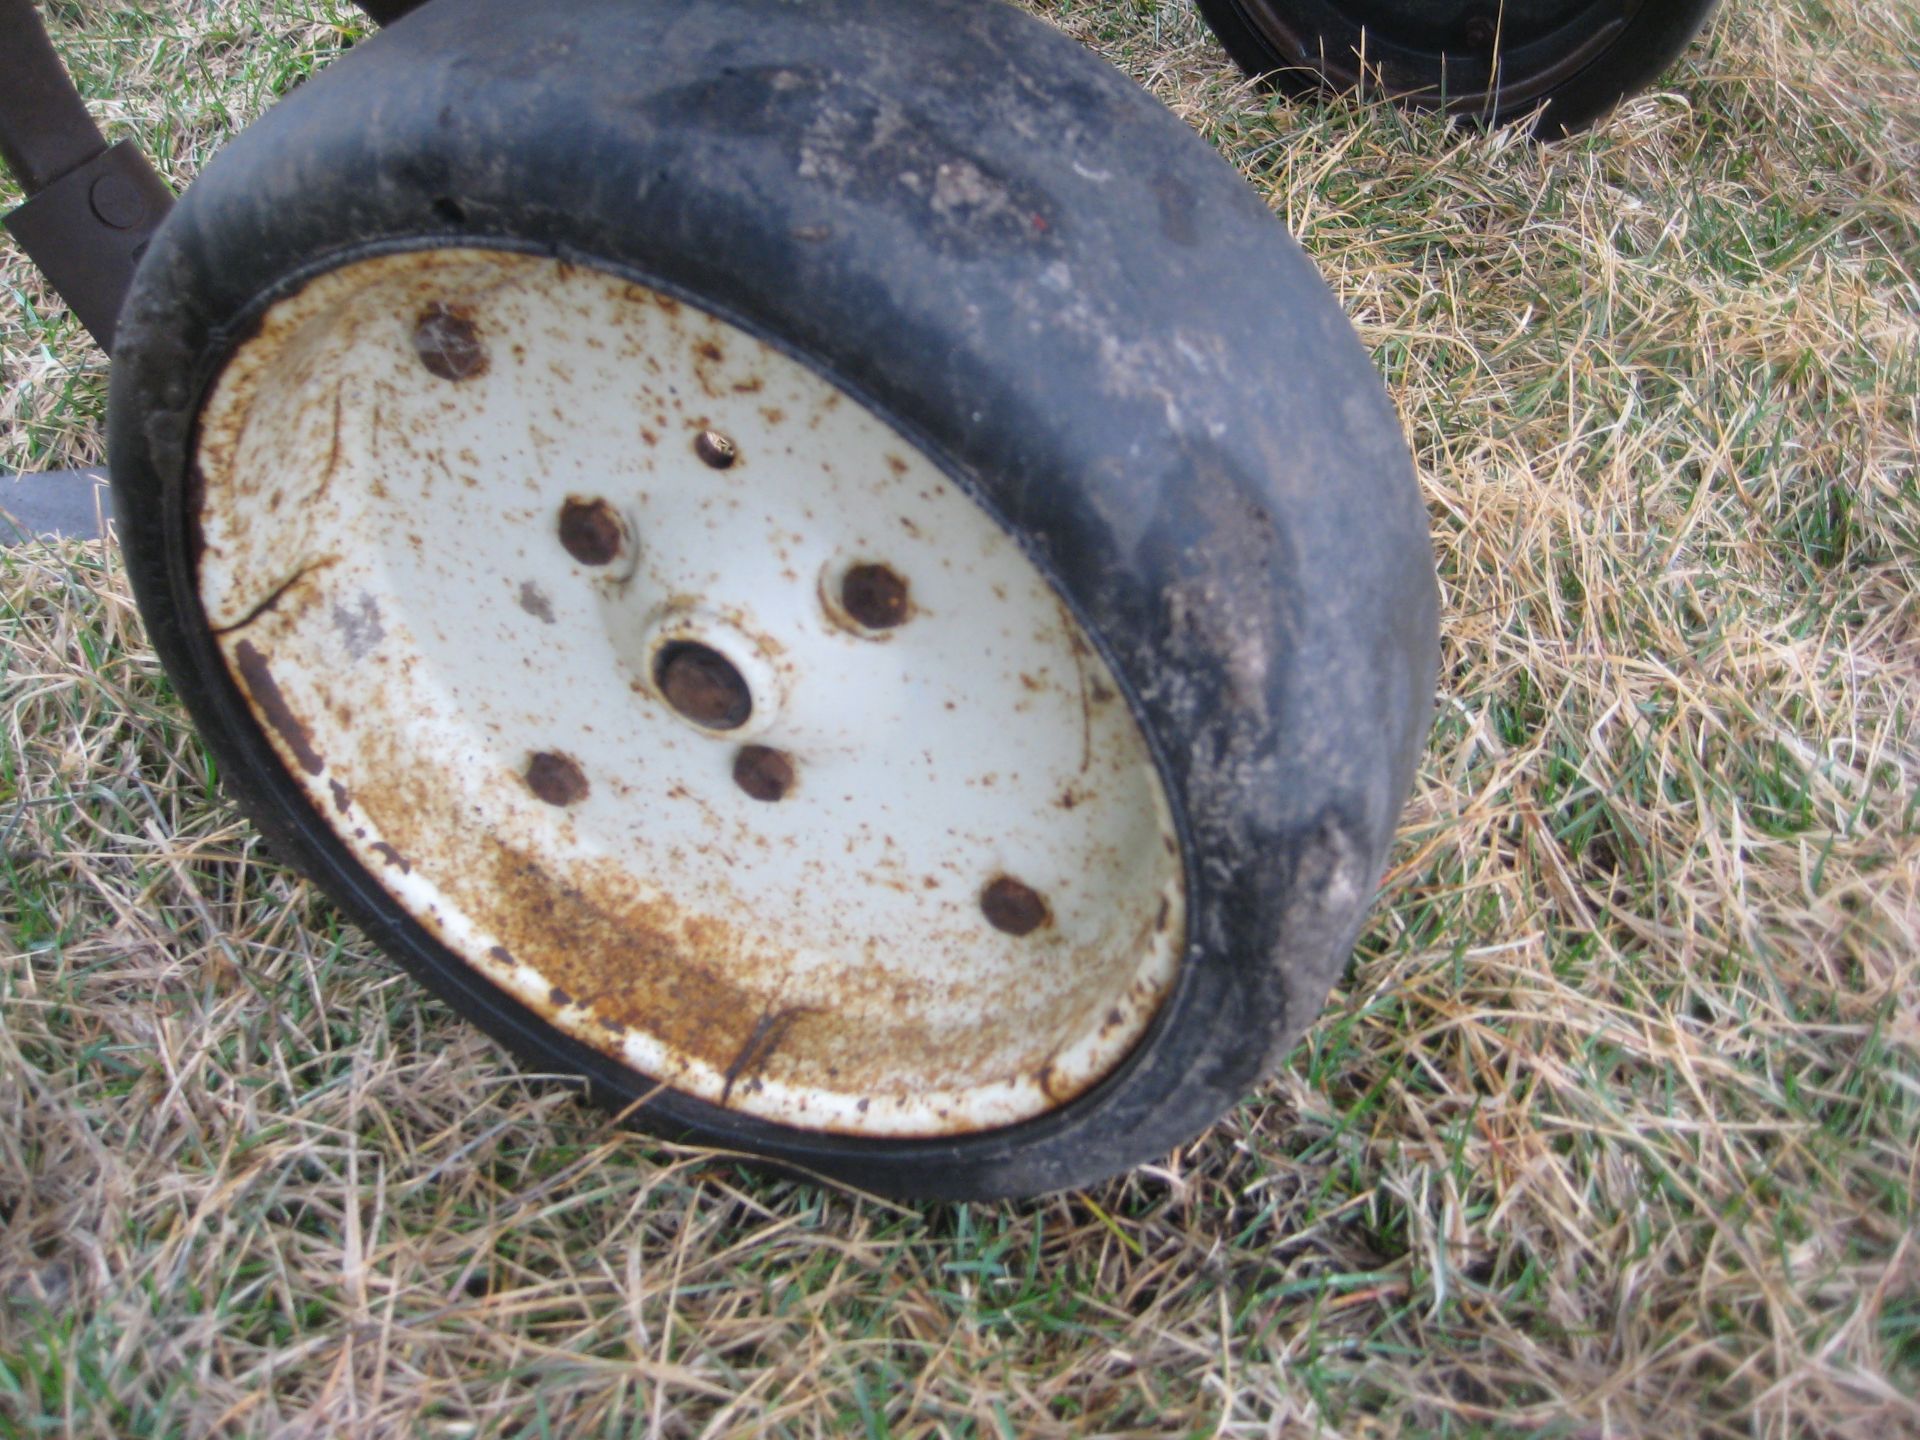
(716, 449)
(448, 343)
(703, 685)
(556, 779)
(590, 531)
(763, 772)
(874, 596)
(1013, 907)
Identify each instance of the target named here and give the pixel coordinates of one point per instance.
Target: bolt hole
(590, 531)
(716, 450)
(556, 779)
(874, 596)
(703, 685)
(763, 772)
(449, 210)
(1014, 907)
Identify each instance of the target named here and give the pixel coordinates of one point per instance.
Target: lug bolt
(874, 596)
(448, 343)
(716, 449)
(556, 779)
(763, 772)
(591, 531)
(1013, 907)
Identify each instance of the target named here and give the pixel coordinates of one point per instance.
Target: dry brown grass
(1614, 1131)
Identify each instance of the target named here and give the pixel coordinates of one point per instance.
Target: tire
(1562, 65)
(826, 569)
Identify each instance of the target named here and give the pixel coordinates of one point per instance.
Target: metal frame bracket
(88, 229)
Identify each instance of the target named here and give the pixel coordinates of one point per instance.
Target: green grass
(1612, 1130)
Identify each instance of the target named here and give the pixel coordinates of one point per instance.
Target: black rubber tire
(1560, 84)
(1202, 461)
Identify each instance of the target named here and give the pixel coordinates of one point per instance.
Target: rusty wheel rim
(683, 698)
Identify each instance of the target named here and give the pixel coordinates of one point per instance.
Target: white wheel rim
(386, 464)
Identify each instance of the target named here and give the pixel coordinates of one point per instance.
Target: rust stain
(694, 982)
(273, 707)
(333, 445)
(631, 962)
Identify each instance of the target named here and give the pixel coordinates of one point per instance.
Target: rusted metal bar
(87, 230)
(45, 130)
(91, 207)
(54, 505)
(385, 12)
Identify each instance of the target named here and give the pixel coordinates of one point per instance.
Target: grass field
(1612, 1130)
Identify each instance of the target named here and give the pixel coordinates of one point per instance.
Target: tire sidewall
(1656, 36)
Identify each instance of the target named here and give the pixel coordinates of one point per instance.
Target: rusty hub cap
(683, 698)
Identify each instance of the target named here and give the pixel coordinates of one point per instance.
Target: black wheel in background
(1493, 61)
(826, 568)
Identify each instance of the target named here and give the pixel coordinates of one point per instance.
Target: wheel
(1562, 63)
(826, 568)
